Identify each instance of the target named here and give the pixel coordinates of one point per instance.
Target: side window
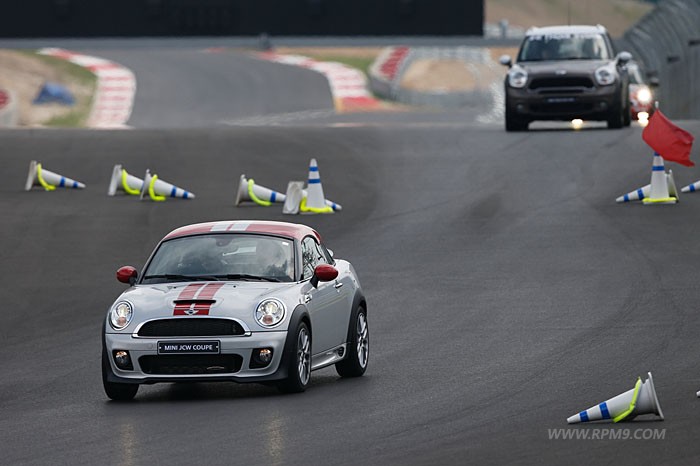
(312, 255)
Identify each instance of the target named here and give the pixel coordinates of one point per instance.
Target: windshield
(564, 47)
(222, 257)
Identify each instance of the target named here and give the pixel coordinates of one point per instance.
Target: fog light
(261, 358)
(123, 360)
(577, 123)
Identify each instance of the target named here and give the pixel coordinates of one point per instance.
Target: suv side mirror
(323, 273)
(624, 57)
(127, 274)
(505, 60)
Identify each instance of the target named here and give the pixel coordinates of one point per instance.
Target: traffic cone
(691, 188)
(643, 192)
(314, 202)
(249, 191)
(49, 180)
(659, 193)
(295, 193)
(158, 189)
(640, 400)
(122, 181)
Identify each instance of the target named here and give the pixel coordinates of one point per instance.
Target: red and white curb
(388, 63)
(348, 85)
(113, 100)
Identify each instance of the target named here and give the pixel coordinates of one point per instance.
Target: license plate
(188, 347)
(561, 100)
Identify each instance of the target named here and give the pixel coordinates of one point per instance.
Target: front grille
(190, 327)
(191, 364)
(564, 81)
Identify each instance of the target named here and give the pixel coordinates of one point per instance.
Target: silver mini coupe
(242, 301)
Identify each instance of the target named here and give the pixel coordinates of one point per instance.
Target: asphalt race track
(506, 290)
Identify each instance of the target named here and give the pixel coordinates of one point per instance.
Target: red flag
(670, 141)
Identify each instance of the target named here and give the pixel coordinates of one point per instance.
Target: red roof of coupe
(290, 230)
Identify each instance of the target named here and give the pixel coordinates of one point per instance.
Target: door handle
(337, 285)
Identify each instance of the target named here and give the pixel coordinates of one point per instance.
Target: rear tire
(357, 357)
(299, 369)
(116, 391)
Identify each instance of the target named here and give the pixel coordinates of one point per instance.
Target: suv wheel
(514, 123)
(616, 120)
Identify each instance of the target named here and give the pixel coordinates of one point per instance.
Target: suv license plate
(189, 347)
(561, 100)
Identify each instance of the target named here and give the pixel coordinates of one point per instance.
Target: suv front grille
(190, 327)
(560, 82)
(191, 364)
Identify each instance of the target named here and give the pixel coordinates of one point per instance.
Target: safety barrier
(667, 43)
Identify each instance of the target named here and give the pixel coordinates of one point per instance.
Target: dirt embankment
(25, 74)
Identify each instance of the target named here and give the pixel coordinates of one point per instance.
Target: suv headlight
(270, 312)
(120, 315)
(517, 77)
(605, 75)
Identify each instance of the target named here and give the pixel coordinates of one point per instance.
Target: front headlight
(270, 312)
(605, 75)
(644, 95)
(120, 315)
(517, 77)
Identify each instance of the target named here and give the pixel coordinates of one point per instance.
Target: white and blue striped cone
(39, 176)
(640, 400)
(643, 192)
(159, 190)
(249, 191)
(124, 182)
(659, 186)
(691, 188)
(314, 202)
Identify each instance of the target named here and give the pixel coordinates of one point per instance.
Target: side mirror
(505, 60)
(127, 274)
(323, 273)
(624, 57)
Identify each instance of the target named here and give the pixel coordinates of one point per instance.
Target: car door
(327, 303)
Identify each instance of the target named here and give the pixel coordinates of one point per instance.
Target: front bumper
(563, 104)
(238, 347)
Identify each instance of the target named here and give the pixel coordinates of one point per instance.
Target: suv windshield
(222, 257)
(564, 47)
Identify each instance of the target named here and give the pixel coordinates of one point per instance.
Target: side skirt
(321, 360)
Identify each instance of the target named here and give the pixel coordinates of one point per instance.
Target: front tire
(616, 120)
(299, 369)
(355, 362)
(116, 391)
(514, 123)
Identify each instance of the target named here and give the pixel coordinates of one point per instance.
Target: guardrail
(667, 43)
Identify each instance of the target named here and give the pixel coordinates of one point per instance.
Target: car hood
(570, 66)
(215, 299)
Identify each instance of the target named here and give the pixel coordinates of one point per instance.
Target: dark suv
(565, 73)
